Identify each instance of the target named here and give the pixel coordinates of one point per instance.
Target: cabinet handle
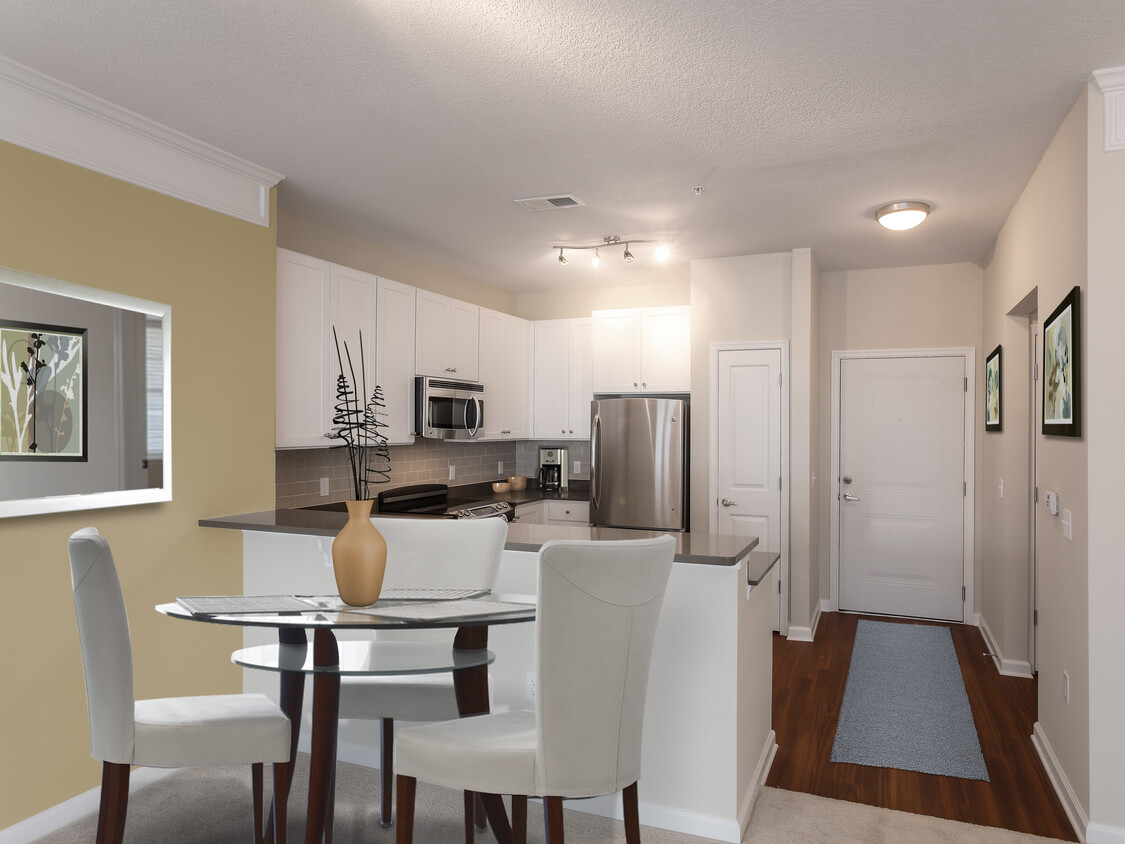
(644, 383)
(572, 430)
(563, 431)
(635, 384)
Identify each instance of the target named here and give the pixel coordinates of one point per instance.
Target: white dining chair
(596, 616)
(176, 732)
(427, 554)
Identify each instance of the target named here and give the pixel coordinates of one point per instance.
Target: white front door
(902, 477)
(749, 450)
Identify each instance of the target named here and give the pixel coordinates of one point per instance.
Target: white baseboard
(67, 812)
(765, 762)
(806, 634)
(1007, 667)
(1100, 833)
(1070, 802)
(663, 817)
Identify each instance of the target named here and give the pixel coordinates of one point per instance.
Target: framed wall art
(42, 392)
(1062, 370)
(993, 397)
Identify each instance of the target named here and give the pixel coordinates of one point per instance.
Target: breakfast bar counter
(707, 740)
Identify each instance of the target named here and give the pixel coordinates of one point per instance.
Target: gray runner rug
(905, 704)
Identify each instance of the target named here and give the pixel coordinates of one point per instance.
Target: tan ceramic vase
(359, 557)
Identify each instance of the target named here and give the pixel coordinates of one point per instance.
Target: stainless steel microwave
(448, 410)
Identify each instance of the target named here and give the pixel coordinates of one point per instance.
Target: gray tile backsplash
(298, 471)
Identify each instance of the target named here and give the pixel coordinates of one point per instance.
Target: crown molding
(56, 119)
(1111, 82)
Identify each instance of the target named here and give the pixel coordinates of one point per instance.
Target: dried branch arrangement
(357, 423)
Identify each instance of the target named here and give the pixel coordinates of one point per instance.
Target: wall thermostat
(1052, 503)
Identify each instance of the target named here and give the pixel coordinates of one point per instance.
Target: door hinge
(779, 483)
(779, 379)
(964, 592)
(1034, 617)
(964, 488)
(1035, 372)
(966, 383)
(1035, 495)
(779, 586)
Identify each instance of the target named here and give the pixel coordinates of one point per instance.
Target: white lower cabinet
(568, 512)
(535, 514)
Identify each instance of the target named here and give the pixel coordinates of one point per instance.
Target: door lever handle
(850, 497)
(728, 503)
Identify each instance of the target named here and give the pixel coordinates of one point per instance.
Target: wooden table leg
(470, 685)
(326, 711)
(292, 702)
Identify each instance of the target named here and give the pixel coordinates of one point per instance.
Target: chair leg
(519, 819)
(256, 789)
(481, 813)
(281, 776)
(553, 808)
(632, 815)
(387, 768)
(115, 802)
(470, 813)
(405, 810)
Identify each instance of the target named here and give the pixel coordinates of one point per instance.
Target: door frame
(969, 355)
(713, 461)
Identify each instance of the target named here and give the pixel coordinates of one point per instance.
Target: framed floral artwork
(993, 398)
(1062, 370)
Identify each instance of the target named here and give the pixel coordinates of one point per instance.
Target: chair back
(598, 606)
(441, 554)
(107, 655)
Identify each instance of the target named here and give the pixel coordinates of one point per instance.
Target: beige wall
(673, 289)
(1042, 245)
(1104, 307)
(934, 306)
(329, 244)
(217, 273)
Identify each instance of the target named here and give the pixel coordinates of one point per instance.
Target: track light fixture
(662, 251)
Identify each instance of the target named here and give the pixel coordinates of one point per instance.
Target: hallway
(808, 689)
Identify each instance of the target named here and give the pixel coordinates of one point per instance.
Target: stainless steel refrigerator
(639, 463)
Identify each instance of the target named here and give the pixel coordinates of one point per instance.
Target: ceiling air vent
(548, 203)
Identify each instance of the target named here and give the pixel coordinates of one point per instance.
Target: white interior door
(902, 486)
(749, 449)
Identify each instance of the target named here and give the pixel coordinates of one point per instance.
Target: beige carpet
(213, 807)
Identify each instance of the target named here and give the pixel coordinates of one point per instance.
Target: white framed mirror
(85, 397)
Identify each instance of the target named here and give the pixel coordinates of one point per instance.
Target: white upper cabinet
(302, 412)
(353, 308)
(642, 350)
(395, 359)
(561, 379)
(505, 371)
(447, 337)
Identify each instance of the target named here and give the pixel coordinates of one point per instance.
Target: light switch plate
(577, 467)
(324, 486)
(1067, 523)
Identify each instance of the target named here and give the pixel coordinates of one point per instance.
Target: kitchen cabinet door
(446, 339)
(580, 380)
(395, 358)
(505, 371)
(302, 413)
(519, 379)
(665, 344)
(615, 350)
(354, 308)
(550, 378)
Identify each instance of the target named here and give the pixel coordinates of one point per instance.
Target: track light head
(562, 257)
(628, 256)
(597, 262)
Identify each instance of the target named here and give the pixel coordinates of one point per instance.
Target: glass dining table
(327, 660)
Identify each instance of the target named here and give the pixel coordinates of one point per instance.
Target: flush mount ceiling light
(662, 251)
(900, 216)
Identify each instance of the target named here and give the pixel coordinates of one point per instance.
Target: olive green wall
(217, 273)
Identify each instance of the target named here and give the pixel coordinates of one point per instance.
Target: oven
(433, 500)
(448, 410)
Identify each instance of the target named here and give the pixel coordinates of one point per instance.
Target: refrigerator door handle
(595, 426)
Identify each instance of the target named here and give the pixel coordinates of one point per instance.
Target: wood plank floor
(808, 689)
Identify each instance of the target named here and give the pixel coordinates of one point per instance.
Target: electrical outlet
(499, 467)
(1001, 487)
(452, 471)
(324, 486)
(1066, 688)
(530, 686)
(577, 467)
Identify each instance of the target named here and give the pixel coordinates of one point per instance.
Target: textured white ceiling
(417, 122)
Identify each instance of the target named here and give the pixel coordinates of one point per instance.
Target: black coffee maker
(552, 469)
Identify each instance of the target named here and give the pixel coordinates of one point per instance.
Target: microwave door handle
(595, 478)
(476, 416)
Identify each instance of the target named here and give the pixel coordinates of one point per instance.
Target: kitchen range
(429, 500)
